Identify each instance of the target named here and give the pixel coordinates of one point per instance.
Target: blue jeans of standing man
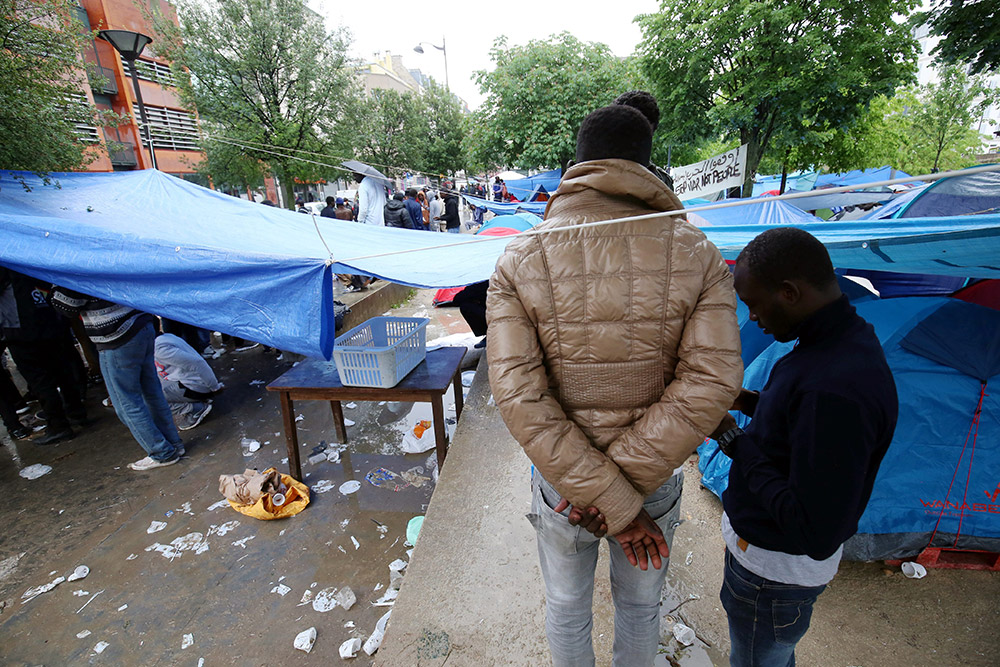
(134, 387)
(766, 618)
(568, 557)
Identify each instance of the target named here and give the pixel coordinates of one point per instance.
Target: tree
(443, 150)
(269, 73)
(970, 30)
(42, 74)
(772, 69)
(391, 131)
(537, 96)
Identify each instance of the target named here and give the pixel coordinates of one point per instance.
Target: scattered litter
(414, 478)
(342, 549)
(419, 439)
(254, 383)
(250, 446)
(684, 634)
(9, 564)
(186, 641)
(80, 572)
(325, 600)
(299, 418)
(347, 488)
(185, 508)
(284, 461)
(32, 593)
(317, 458)
(349, 624)
(191, 542)
(379, 586)
(381, 402)
(388, 598)
(690, 558)
(350, 648)
(351, 406)
(80, 593)
(413, 530)
(355, 542)
(304, 640)
(100, 646)
(348, 422)
(83, 634)
(243, 543)
(132, 557)
(344, 523)
(376, 638)
(913, 570)
(155, 527)
(307, 597)
(89, 601)
(397, 565)
(123, 607)
(346, 598)
(35, 471)
(468, 377)
(333, 456)
(322, 486)
(227, 527)
(386, 479)
(281, 590)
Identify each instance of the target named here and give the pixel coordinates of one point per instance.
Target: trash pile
(264, 495)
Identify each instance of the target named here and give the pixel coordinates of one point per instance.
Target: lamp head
(418, 48)
(129, 44)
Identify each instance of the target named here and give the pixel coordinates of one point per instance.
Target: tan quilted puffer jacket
(613, 350)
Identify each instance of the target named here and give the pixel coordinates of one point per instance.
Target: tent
(945, 455)
(170, 247)
(764, 211)
(501, 208)
(526, 189)
(520, 221)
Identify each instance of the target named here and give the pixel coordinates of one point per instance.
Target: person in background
(804, 469)
(436, 207)
(453, 223)
(413, 206)
(425, 211)
(330, 210)
(497, 190)
(613, 351)
(343, 211)
(11, 402)
(41, 345)
(395, 214)
(187, 380)
(471, 302)
(371, 200)
(124, 338)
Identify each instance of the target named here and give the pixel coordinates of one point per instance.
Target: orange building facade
(173, 129)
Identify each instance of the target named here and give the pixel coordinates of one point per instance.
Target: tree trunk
(287, 188)
(754, 153)
(784, 178)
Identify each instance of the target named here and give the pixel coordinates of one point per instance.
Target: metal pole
(444, 50)
(142, 112)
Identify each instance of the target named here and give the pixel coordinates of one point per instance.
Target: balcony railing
(122, 153)
(102, 80)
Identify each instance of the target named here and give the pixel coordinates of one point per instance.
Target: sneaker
(23, 409)
(249, 346)
(54, 437)
(212, 353)
(20, 433)
(148, 463)
(481, 344)
(192, 420)
(107, 402)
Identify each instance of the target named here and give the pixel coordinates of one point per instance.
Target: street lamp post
(420, 49)
(130, 44)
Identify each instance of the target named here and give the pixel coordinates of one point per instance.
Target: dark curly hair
(645, 103)
(787, 253)
(614, 132)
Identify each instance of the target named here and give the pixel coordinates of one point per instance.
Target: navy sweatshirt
(804, 470)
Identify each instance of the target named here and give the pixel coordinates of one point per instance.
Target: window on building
(172, 129)
(85, 131)
(150, 70)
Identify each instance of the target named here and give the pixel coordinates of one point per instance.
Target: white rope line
(648, 216)
(318, 233)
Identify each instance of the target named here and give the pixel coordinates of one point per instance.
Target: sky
(470, 29)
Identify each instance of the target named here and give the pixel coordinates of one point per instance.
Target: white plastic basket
(380, 352)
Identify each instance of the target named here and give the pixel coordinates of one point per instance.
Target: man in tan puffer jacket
(613, 350)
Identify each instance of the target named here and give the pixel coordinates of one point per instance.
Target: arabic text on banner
(711, 175)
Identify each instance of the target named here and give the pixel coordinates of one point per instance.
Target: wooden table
(314, 380)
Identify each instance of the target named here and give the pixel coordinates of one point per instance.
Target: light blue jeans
(454, 230)
(568, 557)
(134, 387)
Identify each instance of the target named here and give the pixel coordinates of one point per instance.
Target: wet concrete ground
(211, 572)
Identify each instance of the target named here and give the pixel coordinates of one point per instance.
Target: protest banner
(711, 175)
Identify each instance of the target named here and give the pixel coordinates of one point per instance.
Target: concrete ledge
(371, 303)
(472, 593)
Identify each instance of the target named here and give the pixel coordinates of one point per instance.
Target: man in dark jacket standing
(41, 345)
(453, 223)
(803, 471)
(413, 208)
(396, 214)
(330, 210)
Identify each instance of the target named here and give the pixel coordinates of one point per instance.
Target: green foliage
(772, 70)
(536, 98)
(970, 31)
(391, 131)
(42, 78)
(268, 74)
(443, 149)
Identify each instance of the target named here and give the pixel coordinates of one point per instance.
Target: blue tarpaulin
(501, 208)
(763, 211)
(525, 188)
(176, 249)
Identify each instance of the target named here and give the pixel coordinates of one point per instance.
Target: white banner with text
(716, 173)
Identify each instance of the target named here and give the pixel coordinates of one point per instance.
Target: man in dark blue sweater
(804, 469)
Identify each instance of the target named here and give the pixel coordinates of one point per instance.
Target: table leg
(338, 421)
(440, 437)
(459, 393)
(291, 435)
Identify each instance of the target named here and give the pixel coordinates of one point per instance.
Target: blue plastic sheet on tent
(796, 181)
(931, 482)
(763, 211)
(859, 177)
(501, 208)
(958, 195)
(522, 222)
(525, 188)
(178, 250)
